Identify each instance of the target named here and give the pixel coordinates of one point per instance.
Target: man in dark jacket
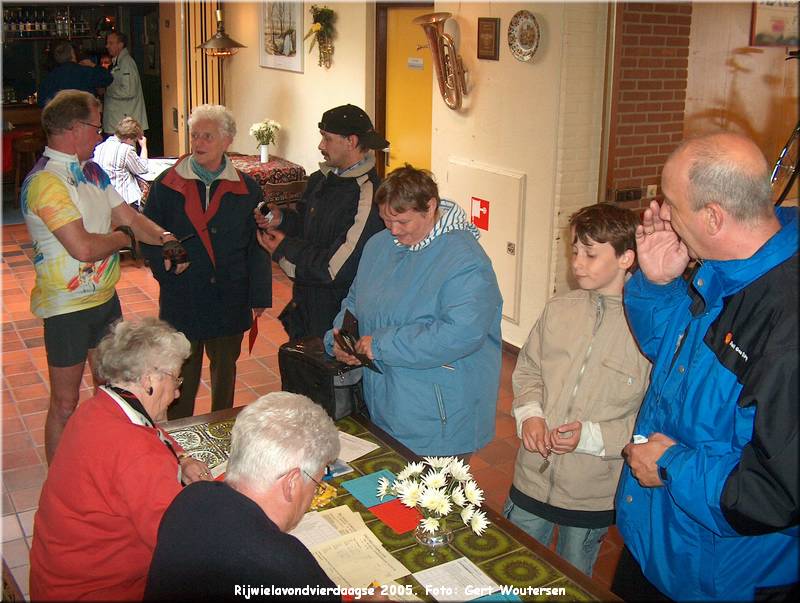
(227, 540)
(209, 204)
(69, 74)
(319, 244)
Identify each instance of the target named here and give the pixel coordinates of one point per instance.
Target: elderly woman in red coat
(114, 473)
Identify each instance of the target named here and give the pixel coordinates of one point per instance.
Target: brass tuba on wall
(446, 61)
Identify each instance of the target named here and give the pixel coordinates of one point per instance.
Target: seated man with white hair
(216, 537)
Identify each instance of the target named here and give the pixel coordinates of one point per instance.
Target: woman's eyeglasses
(178, 380)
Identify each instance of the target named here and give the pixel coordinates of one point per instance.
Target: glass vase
(325, 51)
(433, 540)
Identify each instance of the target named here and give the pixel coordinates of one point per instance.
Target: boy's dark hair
(606, 223)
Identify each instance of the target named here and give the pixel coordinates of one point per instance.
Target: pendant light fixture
(220, 45)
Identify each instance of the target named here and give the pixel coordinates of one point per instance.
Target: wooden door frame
(381, 24)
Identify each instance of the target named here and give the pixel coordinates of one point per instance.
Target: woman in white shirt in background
(117, 156)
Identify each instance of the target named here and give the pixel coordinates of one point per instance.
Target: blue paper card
(499, 596)
(365, 489)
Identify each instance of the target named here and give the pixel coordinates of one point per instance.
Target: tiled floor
(25, 398)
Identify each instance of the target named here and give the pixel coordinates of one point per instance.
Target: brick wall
(651, 69)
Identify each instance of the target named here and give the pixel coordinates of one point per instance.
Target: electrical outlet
(652, 190)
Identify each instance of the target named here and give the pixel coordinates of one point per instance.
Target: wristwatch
(662, 473)
(166, 234)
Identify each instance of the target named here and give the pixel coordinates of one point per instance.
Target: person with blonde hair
(117, 156)
(114, 473)
(209, 204)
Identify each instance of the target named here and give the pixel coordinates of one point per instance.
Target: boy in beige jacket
(578, 384)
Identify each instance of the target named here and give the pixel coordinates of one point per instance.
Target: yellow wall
(408, 91)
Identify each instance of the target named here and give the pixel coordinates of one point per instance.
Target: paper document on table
(353, 447)
(344, 520)
(313, 530)
(358, 559)
(397, 592)
(156, 165)
(457, 580)
(318, 527)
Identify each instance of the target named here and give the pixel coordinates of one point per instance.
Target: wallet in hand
(347, 337)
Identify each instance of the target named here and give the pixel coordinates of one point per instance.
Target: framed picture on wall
(774, 23)
(280, 36)
(489, 38)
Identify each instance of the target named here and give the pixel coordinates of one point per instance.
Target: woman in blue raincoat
(428, 306)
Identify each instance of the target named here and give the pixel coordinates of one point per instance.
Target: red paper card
(397, 516)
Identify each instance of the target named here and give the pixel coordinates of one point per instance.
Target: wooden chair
(27, 150)
(284, 193)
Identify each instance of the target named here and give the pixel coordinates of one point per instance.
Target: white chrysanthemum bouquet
(265, 132)
(440, 487)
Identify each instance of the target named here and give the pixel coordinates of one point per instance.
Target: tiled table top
(505, 553)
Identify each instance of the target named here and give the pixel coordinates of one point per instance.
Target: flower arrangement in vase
(322, 31)
(265, 132)
(443, 491)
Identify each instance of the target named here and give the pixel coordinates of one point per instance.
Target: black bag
(307, 369)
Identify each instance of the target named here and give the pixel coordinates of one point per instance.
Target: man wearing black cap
(319, 244)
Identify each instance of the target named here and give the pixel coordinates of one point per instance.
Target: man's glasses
(327, 475)
(98, 129)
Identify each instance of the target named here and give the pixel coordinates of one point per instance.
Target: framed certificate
(489, 38)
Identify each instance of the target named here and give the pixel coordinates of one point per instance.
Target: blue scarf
(205, 175)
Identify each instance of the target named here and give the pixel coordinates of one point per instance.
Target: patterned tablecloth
(276, 171)
(504, 552)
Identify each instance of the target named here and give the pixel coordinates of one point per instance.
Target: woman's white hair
(216, 113)
(134, 348)
(279, 432)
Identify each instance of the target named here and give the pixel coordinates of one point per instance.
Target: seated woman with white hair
(280, 446)
(114, 473)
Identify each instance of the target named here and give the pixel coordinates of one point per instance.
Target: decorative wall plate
(523, 35)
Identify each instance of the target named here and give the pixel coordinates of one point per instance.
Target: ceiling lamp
(220, 45)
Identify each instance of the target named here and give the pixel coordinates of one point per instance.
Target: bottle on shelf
(28, 24)
(20, 24)
(61, 25)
